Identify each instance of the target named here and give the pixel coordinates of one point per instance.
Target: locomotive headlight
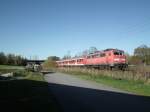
(123, 59)
(117, 59)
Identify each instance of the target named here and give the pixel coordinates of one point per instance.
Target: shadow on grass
(26, 96)
(79, 99)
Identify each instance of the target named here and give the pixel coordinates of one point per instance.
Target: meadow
(135, 79)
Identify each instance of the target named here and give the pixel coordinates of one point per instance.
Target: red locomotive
(109, 58)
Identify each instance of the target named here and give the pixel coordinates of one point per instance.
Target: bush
(20, 73)
(49, 64)
(135, 75)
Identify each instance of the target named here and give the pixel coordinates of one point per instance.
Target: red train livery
(109, 58)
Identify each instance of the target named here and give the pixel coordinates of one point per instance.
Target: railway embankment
(136, 80)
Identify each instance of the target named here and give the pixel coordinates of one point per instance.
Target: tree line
(141, 56)
(11, 59)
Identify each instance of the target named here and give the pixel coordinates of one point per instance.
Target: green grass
(30, 94)
(10, 67)
(131, 86)
(136, 87)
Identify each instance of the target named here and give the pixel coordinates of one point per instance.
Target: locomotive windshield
(118, 53)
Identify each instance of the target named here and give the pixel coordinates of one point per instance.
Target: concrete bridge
(38, 62)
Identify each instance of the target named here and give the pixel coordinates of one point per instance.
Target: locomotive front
(119, 59)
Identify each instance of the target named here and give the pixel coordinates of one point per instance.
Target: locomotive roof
(98, 52)
(110, 49)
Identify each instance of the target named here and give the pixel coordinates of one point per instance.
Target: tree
(18, 60)
(85, 53)
(92, 50)
(50, 63)
(66, 57)
(3, 58)
(128, 57)
(53, 58)
(11, 59)
(143, 53)
(135, 60)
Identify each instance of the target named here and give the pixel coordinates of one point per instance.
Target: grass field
(137, 87)
(28, 94)
(10, 67)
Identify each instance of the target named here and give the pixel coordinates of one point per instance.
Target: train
(105, 59)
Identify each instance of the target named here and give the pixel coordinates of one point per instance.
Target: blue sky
(53, 27)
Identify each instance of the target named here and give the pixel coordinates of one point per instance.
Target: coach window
(97, 55)
(93, 56)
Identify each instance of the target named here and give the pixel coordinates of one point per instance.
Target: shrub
(135, 75)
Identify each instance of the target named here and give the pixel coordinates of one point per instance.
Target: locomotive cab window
(97, 55)
(118, 53)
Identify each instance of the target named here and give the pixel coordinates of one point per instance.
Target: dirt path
(77, 95)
